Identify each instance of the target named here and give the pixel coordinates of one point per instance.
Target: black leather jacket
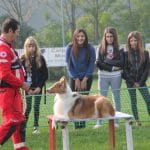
(136, 71)
(39, 75)
(106, 64)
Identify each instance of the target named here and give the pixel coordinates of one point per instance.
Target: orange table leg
(112, 134)
(51, 135)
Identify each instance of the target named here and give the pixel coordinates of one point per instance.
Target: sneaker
(97, 126)
(116, 125)
(35, 130)
(23, 148)
(138, 123)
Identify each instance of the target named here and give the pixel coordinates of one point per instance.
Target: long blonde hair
(31, 40)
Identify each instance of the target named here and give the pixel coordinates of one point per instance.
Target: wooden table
(65, 131)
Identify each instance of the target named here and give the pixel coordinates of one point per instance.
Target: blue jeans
(115, 83)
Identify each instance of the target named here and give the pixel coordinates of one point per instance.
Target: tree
(143, 11)
(50, 35)
(25, 32)
(95, 15)
(22, 11)
(131, 15)
(69, 8)
(95, 10)
(18, 9)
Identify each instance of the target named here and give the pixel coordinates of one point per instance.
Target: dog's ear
(63, 82)
(63, 78)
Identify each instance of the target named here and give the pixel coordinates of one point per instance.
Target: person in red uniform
(11, 80)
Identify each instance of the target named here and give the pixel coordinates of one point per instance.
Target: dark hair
(103, 46)
(74, 43)
(9, 23)
(140, 47)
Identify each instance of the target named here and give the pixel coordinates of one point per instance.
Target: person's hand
(30, 92)
(84, 83)
(77, 85)
(25, 86)
(37, 90)
(97, 62)
(136, 85)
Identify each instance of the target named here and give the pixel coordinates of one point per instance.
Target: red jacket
(11, 71)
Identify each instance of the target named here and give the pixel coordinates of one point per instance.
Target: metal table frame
(65, 131)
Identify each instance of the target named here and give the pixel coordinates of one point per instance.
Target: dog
(72, 105)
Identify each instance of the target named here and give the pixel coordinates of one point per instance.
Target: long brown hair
(103, 46)
(74, 43)
(140, 47)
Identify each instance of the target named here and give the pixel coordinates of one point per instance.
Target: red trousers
(12, 115)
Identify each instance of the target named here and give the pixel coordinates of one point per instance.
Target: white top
(107, 74)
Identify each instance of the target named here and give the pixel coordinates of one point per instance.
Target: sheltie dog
(72, 105)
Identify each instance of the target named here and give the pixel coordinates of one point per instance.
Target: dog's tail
(111, 110)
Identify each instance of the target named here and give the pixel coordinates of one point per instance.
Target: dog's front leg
(62, 118)
(63, 124)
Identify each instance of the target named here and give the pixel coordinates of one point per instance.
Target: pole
(62, 29)
(62, 24)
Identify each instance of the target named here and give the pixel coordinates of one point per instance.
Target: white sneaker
(97, 126)
(116, 125)
(36, 130)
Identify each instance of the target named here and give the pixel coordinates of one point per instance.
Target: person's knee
(28, 110)
(37, 107)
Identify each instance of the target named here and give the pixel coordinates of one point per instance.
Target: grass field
(89, 138)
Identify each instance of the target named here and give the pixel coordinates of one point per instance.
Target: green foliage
(25, 32)
(125, 16)
(57, 72)
(50, 36)
(93, 16)
(86, 22)
(131, 16)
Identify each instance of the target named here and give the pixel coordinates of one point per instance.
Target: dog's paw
(63, 124)
(54, 124)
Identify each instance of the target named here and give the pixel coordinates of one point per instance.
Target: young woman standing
(80, 58)
(136, 70)
(36, 75)
(109, 61)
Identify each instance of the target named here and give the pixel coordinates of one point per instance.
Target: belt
(4, 84)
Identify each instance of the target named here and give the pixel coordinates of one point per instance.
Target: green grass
(89, 138)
